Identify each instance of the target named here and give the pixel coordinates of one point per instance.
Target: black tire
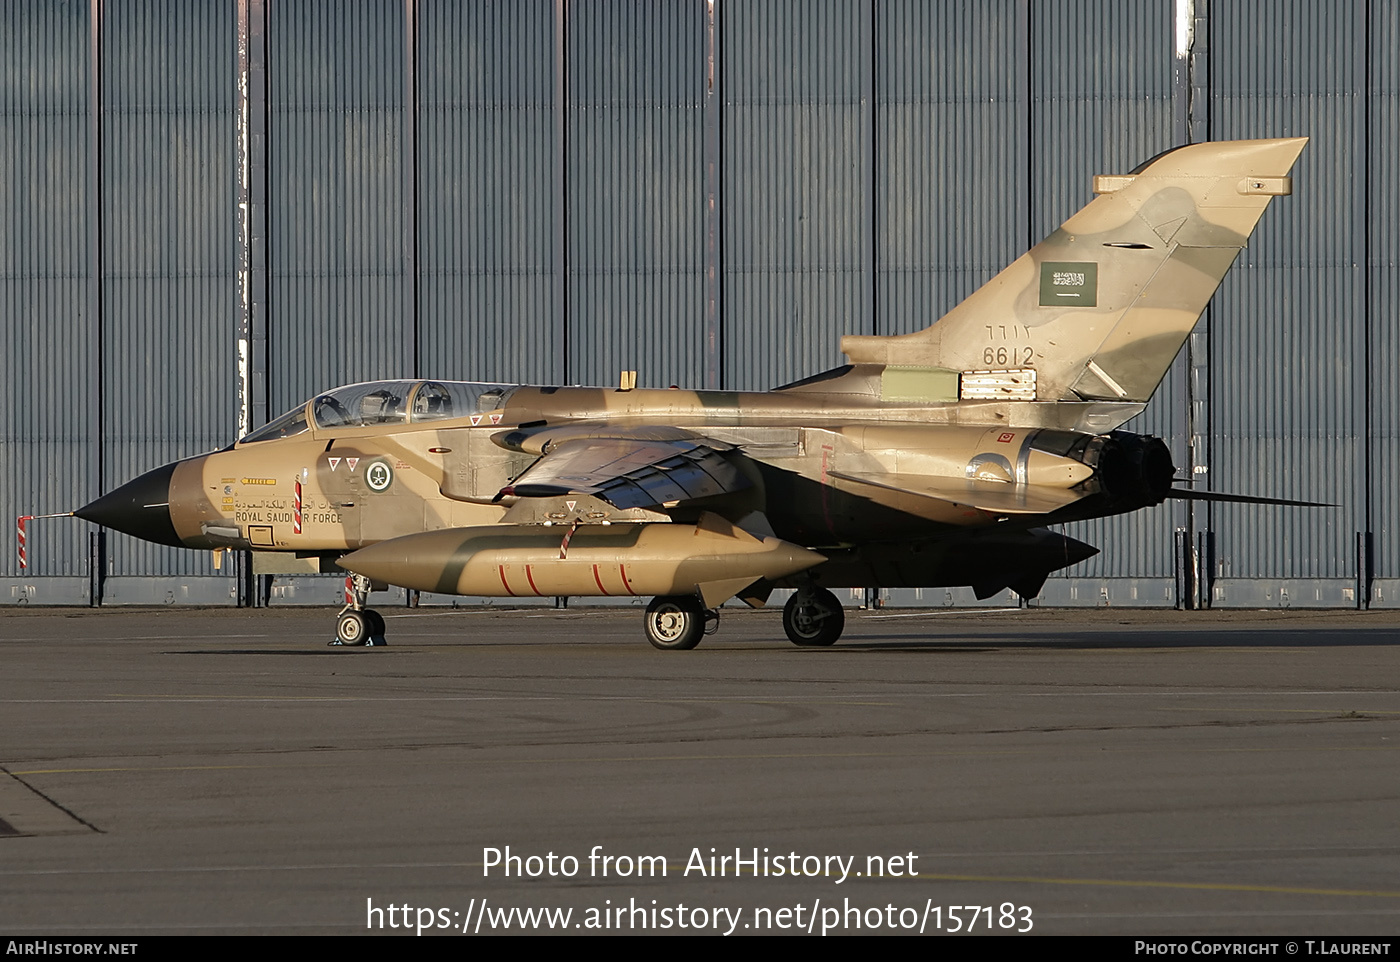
(352, 629)
(376, 623)
(813, 618)
(675, 623)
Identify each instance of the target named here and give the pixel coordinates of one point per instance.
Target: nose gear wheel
(357, 625)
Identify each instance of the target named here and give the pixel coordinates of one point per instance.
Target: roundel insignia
(379, 476)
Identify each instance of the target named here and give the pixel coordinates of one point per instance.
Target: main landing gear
(677, 622)
(813, 618)
(357, 625)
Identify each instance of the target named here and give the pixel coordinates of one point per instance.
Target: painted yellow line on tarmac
(1143, 883)
(534, 761)
(678, 868)
(151, 768)
(1336, 712)
(1103, 883)
(747, 756)
(738, 700)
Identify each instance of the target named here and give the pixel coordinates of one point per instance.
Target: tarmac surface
(1087, 771)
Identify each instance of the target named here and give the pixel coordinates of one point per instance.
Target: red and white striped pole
(22, 537)
(296, 516)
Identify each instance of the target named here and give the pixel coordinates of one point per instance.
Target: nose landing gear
(357, 625)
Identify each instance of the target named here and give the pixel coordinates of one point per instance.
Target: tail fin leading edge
(1101, 307)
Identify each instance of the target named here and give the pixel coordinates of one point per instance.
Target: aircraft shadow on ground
(909, 641)
(1103, 640)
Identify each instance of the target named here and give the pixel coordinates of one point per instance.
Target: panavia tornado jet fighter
(937, 458)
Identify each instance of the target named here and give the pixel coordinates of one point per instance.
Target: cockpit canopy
(386, 402)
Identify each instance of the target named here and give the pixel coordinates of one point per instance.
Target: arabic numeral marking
(1006, 332)
(1003, 356)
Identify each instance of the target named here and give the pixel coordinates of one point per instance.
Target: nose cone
(140, 507)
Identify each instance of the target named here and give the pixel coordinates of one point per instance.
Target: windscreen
(289, 424)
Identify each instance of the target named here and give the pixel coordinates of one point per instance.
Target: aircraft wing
(992, 496)
(630, 472)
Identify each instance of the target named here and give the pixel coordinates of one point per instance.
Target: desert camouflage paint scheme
(937, 458)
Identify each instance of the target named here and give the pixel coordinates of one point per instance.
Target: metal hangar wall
(213, 210)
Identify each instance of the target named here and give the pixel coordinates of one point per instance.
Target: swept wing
(628, 468)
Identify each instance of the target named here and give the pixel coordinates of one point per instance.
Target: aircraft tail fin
(1098, 310)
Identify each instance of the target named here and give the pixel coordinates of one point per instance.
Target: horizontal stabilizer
(1185, 495)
